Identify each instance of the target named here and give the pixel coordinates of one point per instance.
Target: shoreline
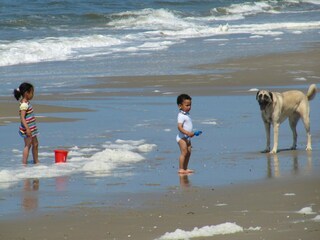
(9, 113)
(241, 77)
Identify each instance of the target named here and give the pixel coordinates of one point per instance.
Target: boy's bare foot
(187, 171)
(182, 171)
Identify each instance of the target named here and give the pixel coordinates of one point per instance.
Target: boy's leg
(185, 147)
(188, 157)
(27, 145)
(35, 145)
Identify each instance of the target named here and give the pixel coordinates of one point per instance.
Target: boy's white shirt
(185, 119)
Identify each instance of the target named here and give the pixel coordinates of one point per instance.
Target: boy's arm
(181, 129)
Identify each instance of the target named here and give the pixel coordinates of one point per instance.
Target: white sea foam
(317, 2)
(254, 229)
(228, 18)
(144, 148)
(250, 8)
(316, 218)
(206, 231)
(306, 211)
(155, 30)
(216, 40)
(221, 204)
(300, 79)
(148, 19)
(107, 160)
(51, 49)
(289, 194)
(210, 122)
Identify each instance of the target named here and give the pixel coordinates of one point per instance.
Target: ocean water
(123, 146)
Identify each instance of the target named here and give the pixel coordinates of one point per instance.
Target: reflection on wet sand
(184, 180)
(62, 183)
(274, 163)
(30, 196)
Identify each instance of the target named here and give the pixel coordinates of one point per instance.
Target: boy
(185, 132)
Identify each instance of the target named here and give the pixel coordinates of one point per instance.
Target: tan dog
(276, 107)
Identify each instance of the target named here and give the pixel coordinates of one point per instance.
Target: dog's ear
(257, 95)
(271, 96)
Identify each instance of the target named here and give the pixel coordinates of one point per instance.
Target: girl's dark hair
(183, 97)
(22, 89)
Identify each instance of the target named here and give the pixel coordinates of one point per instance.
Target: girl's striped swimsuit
(30, 119)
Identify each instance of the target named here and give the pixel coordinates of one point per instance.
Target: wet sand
(271, 205)
(265, 210)
(9, 112)
(281, 72)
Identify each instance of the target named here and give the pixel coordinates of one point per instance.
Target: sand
(266, 209)
(281, 72)
(9, 112)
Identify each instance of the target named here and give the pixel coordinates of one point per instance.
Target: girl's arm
(181, 129)
(24, 122)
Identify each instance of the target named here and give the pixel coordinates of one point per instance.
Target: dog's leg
(275, 137)
(293, 120)
(267, 128)
(306, 122)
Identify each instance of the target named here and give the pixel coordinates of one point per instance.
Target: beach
(240, 75)
(277, 209)
(106, 77)
(285, 204)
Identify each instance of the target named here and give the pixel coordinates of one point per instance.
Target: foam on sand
(289, 194)
(106, 160)
(316, 218)
(306, 211)
(206, 231)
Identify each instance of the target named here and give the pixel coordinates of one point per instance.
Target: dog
(277, 107)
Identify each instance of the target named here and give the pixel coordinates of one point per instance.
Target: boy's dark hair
(22, 89)
(183, 97)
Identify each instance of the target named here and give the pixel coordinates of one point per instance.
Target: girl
(28, 128)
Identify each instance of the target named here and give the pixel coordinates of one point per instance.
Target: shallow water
(128, 145)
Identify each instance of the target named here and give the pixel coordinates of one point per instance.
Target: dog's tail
(312, 92)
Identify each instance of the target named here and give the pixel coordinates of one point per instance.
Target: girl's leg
(35, 145)
(27, 145)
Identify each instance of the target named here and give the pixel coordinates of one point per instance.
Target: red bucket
(60, 156)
